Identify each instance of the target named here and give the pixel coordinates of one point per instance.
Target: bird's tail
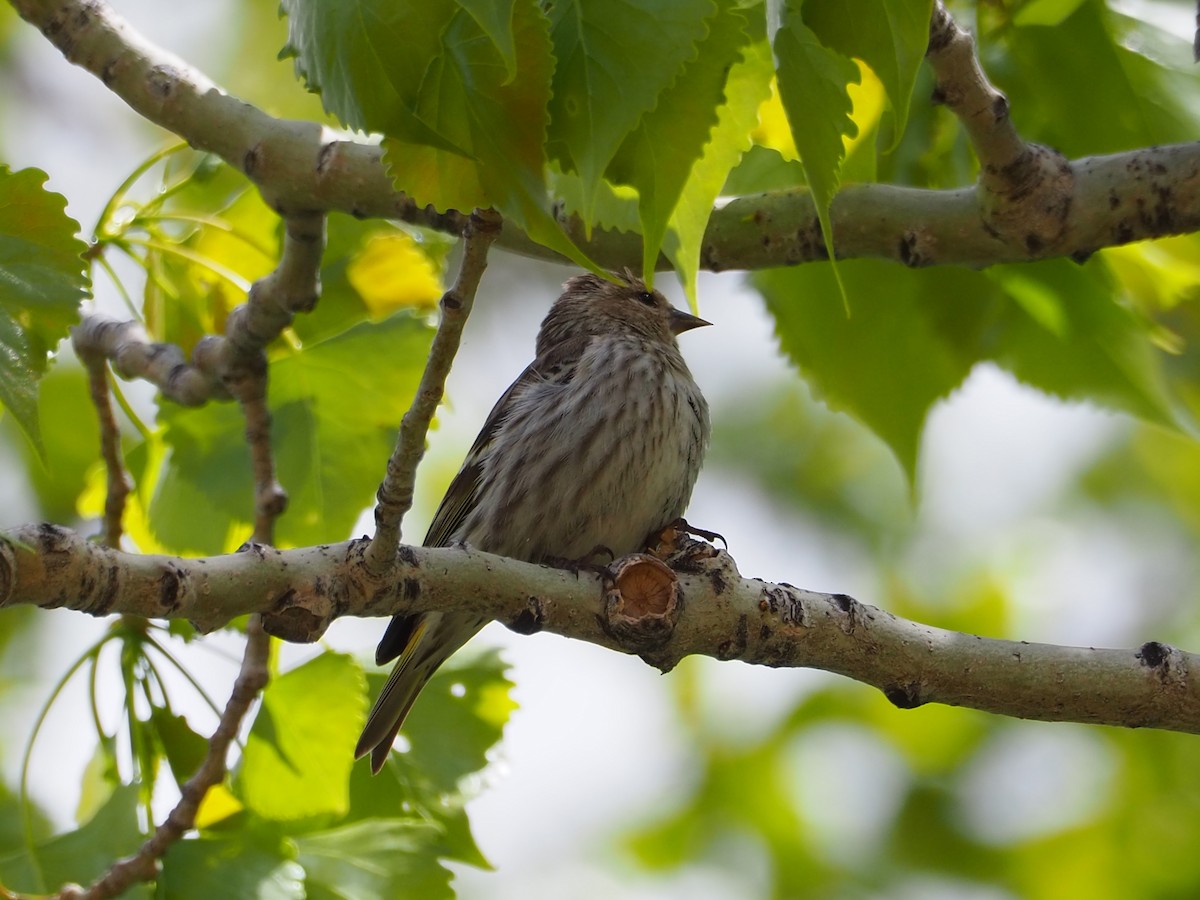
(432, 638)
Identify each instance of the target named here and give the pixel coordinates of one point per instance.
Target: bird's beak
(680, 321)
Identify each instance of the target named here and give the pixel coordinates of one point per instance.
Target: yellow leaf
(773, 129)
(391, 272)
(217, 804)
(868, 98)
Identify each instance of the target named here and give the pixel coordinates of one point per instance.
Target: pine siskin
(597, 444)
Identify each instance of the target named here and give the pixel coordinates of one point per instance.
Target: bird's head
(592, 305)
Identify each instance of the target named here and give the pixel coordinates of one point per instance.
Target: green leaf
(468, 700)
(1083, 90)
(1053, 324)
(297, 761)
(100, 778)
(70, 436)
(658, 155)
(79, 856)
(1045, 12)
(335, 406)
(888, 35)
(615, 59)
(495, 19)
(376, 859)
(812, 86)
(203, 501)
(42, 280)
(204, 868)
(348, 53)
(748, 85)
(1066, 336)
(903, 348)
(184, 748)
(497, 123)
(446, 740)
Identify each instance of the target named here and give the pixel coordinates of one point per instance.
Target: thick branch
(302, 166)
(711, 610)
(395, 494)
(1025, 190)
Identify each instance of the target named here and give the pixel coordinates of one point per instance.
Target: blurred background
(1031, 518)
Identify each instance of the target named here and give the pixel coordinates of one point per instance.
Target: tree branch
(1113, 200)
(706, 608)
(118, 483)
(234, 365)
(395, 494)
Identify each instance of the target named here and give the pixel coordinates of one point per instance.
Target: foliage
(634, 115)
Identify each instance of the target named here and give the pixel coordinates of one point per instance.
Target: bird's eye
(646, 297)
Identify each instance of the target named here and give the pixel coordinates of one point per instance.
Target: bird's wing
(558, 366)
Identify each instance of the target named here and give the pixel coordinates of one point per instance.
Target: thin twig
(134, 355)
(144, 865)
(395, 493)
(1026, 190)
(219, 362)
(118, 483)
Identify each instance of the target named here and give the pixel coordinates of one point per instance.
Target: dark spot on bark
(904, 696)
(1123, 233)
(1113, 200)
(293, 623)
(938, 95)
(109, 72)
(1081, 256)
(407, 555)
(530, 620)
(324, 154)
(358, 213)
(717, 580)
(168, 590)
(844, 602)
(412, 588)
(1000, 108)
(1153, 654)
(1164, 215)
(160, 81)
(250, 161)
(764, 632)
(449, 301)
(736, 646)
(907, 251)
(766, 240)
(1033, 243)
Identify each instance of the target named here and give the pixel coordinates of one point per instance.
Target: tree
(983, 229)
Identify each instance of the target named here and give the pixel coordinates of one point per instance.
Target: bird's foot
(676, 543)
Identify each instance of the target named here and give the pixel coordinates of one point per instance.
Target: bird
(596, 445)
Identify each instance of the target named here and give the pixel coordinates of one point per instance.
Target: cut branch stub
(641, 605)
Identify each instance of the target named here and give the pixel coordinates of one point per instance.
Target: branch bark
(706, 608)
(302, 166)
(395, 494)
